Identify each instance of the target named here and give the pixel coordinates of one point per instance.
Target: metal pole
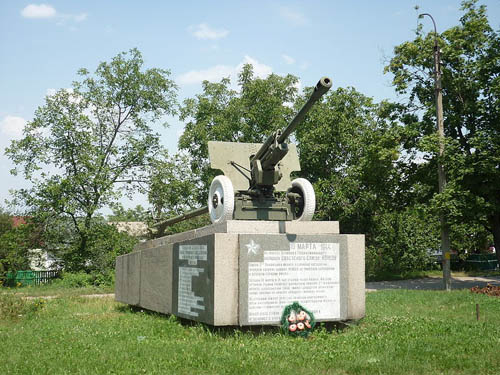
(445, 229)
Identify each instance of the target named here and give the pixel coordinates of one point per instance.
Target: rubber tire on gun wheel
(222, 188)
(304, 188)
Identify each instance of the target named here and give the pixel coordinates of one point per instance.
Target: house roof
(19, 220)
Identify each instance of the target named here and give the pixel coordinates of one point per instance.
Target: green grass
(410, 332)
(56, 290)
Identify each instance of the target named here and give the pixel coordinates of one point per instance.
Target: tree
(172, 185)
(351, 150)
(15, 243)
(471, 101)
(84, 143)
(120, 213)
(222, 113)
(348, 150)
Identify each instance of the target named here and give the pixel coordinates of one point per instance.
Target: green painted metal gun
(256, 174)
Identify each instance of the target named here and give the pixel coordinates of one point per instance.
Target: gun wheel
(306, 209)
(221, 199)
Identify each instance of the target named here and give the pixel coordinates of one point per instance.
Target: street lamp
(445, 230)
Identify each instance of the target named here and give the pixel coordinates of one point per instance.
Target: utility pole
(445, 229)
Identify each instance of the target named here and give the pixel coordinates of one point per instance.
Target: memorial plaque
(277, 270)
(192, 279)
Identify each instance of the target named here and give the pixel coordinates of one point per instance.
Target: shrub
(15, 243)
(84, 280)
(74, 280)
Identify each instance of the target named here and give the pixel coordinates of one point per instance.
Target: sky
(43, 44)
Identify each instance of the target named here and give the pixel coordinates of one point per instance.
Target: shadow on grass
(231, 331)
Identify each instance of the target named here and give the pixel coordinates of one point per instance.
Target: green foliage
(15, 243)
(5, 221)
(138, 213)
(13, 306)
(84, 143)
(470, 56)
(172, 185)
(85, 280)
(349, 149)
(103, 245)
(401, 242)
(297, 321)
(469, 238)
(221, 113)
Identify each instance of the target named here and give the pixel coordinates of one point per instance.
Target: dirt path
(433, 283)
(81, 296)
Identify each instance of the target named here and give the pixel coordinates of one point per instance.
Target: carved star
(253, 247)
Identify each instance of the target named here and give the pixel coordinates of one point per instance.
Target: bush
(103, 244)
(74, 280)
(401, 242)
(85, 280)
(14, 306)
(106, 278)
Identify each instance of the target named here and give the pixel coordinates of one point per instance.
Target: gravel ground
(433, 283)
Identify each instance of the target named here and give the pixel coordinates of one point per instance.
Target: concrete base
(245, 272)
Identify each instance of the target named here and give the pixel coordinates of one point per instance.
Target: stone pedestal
(245, 272)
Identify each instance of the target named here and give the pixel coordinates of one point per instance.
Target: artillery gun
(256, 183)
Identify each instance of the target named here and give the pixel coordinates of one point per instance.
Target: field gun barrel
(320, 89)
(182, 217)
(264, 170)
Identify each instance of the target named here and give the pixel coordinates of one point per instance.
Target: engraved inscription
(186, 299)
(193, 253)
(307, 273)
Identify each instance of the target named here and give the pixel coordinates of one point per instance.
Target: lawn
(410, 332)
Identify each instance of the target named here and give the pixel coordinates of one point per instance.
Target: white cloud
(217, 72)
(12, 126)
(288, 59)
(38, 11)
(204, 31)
(293, 16)
(259, 70)
(48, 11)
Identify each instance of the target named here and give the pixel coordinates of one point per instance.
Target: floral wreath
(296, 320)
